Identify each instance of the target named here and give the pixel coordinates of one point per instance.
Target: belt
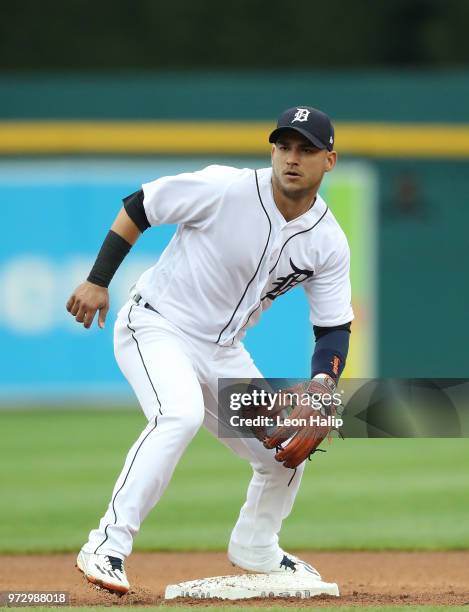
(138, 300)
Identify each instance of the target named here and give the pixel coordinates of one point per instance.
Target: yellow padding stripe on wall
(223, 137)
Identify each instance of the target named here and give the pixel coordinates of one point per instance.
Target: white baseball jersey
(234, 253)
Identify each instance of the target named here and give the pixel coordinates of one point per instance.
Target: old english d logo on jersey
(301, 114)
(284, 283)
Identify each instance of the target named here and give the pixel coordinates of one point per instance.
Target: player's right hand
(86, 300)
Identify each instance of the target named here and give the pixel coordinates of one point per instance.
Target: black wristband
(110, 256)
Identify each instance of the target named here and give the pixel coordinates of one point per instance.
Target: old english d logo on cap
(301, 114)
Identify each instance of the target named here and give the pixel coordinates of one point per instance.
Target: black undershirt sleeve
(322, 331)
(133, 205)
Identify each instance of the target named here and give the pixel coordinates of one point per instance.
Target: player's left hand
(307, 423)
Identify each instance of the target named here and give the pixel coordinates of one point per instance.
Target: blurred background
(96, 98)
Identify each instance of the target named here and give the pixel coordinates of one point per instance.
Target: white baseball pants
(175, 378)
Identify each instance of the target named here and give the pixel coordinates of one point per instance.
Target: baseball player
(244, 237)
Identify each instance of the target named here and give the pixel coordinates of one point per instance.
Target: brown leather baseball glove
(307, 423)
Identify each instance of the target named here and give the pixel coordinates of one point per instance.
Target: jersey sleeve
(329, 290)
(190, 198)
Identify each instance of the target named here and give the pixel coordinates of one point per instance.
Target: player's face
(298, 166)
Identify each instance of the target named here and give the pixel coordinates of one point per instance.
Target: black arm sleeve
(133, 205)
(331, 350)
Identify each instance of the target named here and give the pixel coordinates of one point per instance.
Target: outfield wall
(354, 95)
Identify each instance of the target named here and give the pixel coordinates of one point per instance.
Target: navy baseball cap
(312, 123)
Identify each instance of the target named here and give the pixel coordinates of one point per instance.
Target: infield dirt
(364, 578)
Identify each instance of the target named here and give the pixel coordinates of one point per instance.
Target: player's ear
(331, 160)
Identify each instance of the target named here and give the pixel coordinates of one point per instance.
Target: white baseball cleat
(283, 563)
(104, 571)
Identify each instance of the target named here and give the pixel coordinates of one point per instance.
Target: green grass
(57, 470)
